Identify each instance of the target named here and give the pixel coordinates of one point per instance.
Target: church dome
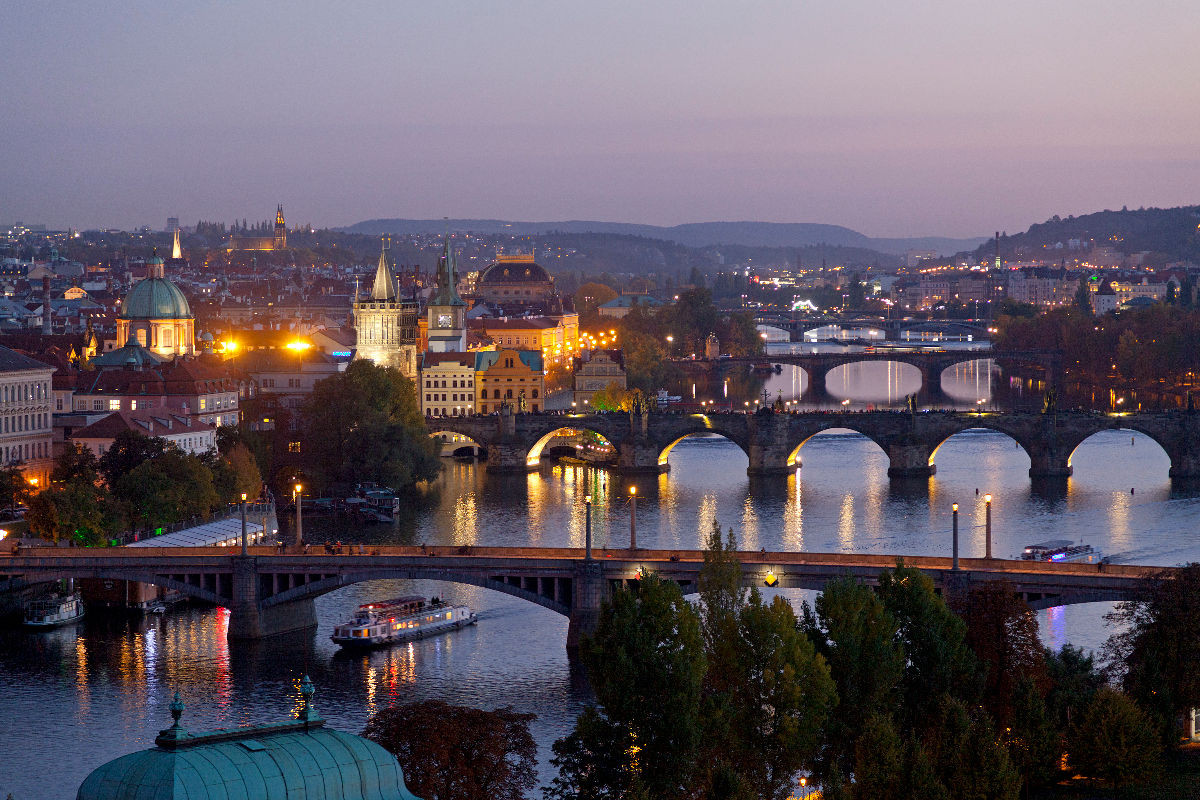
(514, 272)
(155, 298)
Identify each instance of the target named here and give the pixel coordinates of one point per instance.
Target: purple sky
(893, 118)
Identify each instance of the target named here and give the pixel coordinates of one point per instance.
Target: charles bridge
(772, 440)
(268, 592)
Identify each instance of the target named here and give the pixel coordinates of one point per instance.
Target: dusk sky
(892, 118)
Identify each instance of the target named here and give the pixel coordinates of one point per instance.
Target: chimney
(45, 305)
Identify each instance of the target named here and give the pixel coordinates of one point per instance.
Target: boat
(662, 398)
(50, 612)
(1060, 551)
(401, 619)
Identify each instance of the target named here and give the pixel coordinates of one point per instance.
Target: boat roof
(395, 601)
(1053, 544)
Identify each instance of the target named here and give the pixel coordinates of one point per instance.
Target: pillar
(1048, 461)
(590, 591)
(908, 458)
(249, 620)
(639, 454)
(816, 381)
(508, 456)
(769, 446)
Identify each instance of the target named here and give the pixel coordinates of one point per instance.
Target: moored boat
(1061, 551)
(50, 612)
(399, 620)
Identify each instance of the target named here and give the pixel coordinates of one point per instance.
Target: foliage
(234, 473)
(1074, 680)
(591, 761)
(170, 488)
(1157, 653)
(365, 425)
(591, 296)
(14, 487)
(129, 450)
(857, 636)
(75, 464)
(967, 755)
(458, 753)
(74, 510)
(1002, 631)
(1034, 745)
(1114, 741)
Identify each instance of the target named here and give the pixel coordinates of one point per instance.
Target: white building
(447, 384)
(189, 436)
(26, 424)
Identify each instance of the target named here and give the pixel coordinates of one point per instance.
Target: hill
(695, 234)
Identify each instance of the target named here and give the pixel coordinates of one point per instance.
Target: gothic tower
(446, 312)
(386, 325)
(280, 242)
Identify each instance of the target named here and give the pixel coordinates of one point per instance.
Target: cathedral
(277, 241)
(386, 324)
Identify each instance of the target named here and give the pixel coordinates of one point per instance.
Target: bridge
(892, 328)
(930, 362)
(268, 592)
(772, 440)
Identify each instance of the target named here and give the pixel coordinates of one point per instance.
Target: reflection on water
(102, 688)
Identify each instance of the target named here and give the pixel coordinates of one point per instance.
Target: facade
(201, 392)
(385, 324)
(185, 433)
(26, 422)
(447, 384)
(513, 377)
(277, 241)
(445, 314)
(601, 370)
(618, 307)
(287, 377)
(515, 281)
(156, 315)
(557, 337)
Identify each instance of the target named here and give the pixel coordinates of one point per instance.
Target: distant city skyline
(893, 121)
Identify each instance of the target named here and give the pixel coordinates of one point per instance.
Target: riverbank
(1179, 778)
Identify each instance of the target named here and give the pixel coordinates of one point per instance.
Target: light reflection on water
(102, 688)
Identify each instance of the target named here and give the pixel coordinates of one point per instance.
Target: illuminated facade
(277, 241)
(446, 312)
(515, 281)
(385, 324)
(156, 315)
(515, 377)
(26, 426)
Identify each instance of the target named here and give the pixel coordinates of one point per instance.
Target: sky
(893, 117)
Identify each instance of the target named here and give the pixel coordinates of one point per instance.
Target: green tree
(128, 451)
(1074, 680)
(72, 511)
(1083, 295)
(14, 486)
(592, 762)
(1114, 741)
(878, 759)
(457, 752)
(1034, 745)
(75, 464)
(591, 296)
(646, 662)
(857, 636)
(968, 756)
(170, 488)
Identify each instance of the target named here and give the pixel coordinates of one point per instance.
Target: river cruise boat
(50, 612)
(401, 619)
(1062, 551)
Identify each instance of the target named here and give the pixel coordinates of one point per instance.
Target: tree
(14, 487)
(591, 296)
(128, 451)
(458, 753)
(967, 755)
(591, 761)
(73, 510)
(75, 463)
(1156, 655)
(857, 636)
(246, 477)
(1083, 295)
(170, 488)
(1074, 680)
(646, 662)
(1114, 741)
(1034, 745)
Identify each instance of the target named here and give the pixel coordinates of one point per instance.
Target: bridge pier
(639, 456)
(589, 595)
(508, 457)
(249, 620)
(769, 446)
(1046, 460)
(908, 458)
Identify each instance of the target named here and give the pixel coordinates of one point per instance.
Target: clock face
(443, 321)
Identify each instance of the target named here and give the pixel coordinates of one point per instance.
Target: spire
(446, 295)
(385, 282)
(279, 215)
(176, 250)
(174, 735)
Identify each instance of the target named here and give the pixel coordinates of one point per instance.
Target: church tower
(176, 250)
(446, 312)
(280, 241)
(386, 325)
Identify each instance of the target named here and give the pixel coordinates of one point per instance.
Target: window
(114, 405)
(293, 447)
(58, 404)
(204, 404)
(535, 394)
(97, 405)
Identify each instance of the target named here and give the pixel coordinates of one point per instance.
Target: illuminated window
(114, 405)
(293, 447)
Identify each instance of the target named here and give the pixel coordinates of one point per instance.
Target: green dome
(155, 298)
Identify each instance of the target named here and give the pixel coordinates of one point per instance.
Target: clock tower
(446, 312)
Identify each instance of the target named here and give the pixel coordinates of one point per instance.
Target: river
(74, 698)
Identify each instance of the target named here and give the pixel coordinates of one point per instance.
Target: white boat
(50, 612)
(400, 619)
(1062, 551)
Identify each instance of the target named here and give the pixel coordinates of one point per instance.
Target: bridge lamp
(771, 579)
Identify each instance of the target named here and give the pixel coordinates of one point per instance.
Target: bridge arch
(191, 590)
(1124, 426)
(464, 440)
(534, 455)
(308, 591)
(664, 453)
(794, 445)
(983, 424)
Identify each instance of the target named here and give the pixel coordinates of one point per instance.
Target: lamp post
(633, 518)
(587, 528)
(954, 508)
(987, 525)
(243, 523)
(299, 518)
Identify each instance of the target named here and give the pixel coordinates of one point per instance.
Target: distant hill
(1169, 234)
(694, 234)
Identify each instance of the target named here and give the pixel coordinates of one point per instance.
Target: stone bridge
(269, 593)
(892, 328)
(930, 363)
(772, 441)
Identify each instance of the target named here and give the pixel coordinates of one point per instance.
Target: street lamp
(954, 508)
(299, 517)
(987, 525)
(243, 523)
(587, 530)
(633, 518)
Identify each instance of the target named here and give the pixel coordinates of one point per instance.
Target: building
(277, 241)
(26, 424)
(515, 282)
(287, 377)
(184, 432)
(445, 313)
(556, 336)
(447, 384)
(385, 324)
(512, 377)
(618, 307)
(293, 758)
(131, 379)
(603, 369)
(156, 315)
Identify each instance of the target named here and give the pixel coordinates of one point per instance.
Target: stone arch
(795, 443)
(665, 452)
(1124, 425)
(309, 591)
(983, 424)
(437, 430)
(534, 455)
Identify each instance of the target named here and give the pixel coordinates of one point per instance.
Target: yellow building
(510, 376)
(556, 337)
